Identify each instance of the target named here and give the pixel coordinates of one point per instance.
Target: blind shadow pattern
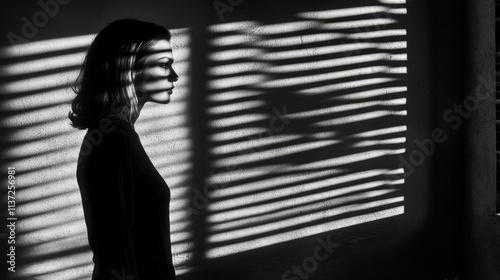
(306, 121)
(37, 139)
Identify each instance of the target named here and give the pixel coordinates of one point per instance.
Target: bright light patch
(378, 34)
(397, 70)
(237, 120)
(297, 81)
(45, 147)
(239, 68)
(329, 63)
(45, 190)
(235, 107)
(57, 267)
(368, 143)
(347, 49)
(400, 11)
(289, 207)
(247, 80)
(253, 144)
(223, 178)
(232, 95)
(296, 40)
(40, 150)
(53, 218)
(347, 107)
(182, 270)
(180, 237)
(267, 183)
(257, 156)
(63, 244)
(262, 184)
(321, 211)
(281, 28)
(393, 45)
(295, 189)
(360, 117)
(369, 93)
(400, 2)
(175, 133)
(357, 24)
(45, 98)
(51, 233)
(43, 64)
(232, 40)
(321, 169)
(382, 131)
(339, 13)
(59, 80)
(236, 247)
(37, 116)
(47, 46)
(148, 126)
(233, 26)
(56, 128)
(345, 85)
(236, 133)
(235, 54)
(50, 205)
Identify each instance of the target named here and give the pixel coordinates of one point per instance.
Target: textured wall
(482, 238)
(284, 145)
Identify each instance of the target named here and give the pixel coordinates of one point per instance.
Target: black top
(126, 205)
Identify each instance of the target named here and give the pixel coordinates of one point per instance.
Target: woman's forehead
(159, 49)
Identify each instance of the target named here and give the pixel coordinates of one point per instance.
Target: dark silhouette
(125, 199)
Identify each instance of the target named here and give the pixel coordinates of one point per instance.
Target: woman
(125, 200)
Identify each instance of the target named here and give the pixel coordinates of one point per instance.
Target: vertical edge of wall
(481, 227)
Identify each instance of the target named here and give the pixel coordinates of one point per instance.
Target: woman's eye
(164, 65)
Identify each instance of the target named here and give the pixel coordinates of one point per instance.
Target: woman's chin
(161, 98)
(162, 101)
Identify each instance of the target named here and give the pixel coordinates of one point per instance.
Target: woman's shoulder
(106, 148)
(110, 133)
(112, 125)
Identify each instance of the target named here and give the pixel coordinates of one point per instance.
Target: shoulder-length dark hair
(105, 85)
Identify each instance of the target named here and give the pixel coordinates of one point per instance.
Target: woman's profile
(125, 200)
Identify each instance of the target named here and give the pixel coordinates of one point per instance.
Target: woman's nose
(173, 77)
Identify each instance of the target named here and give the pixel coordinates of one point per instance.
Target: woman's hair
(105, 85)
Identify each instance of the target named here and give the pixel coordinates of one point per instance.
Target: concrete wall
(291, 127)
(482, 226)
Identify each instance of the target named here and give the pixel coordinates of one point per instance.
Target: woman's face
(156, 81)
